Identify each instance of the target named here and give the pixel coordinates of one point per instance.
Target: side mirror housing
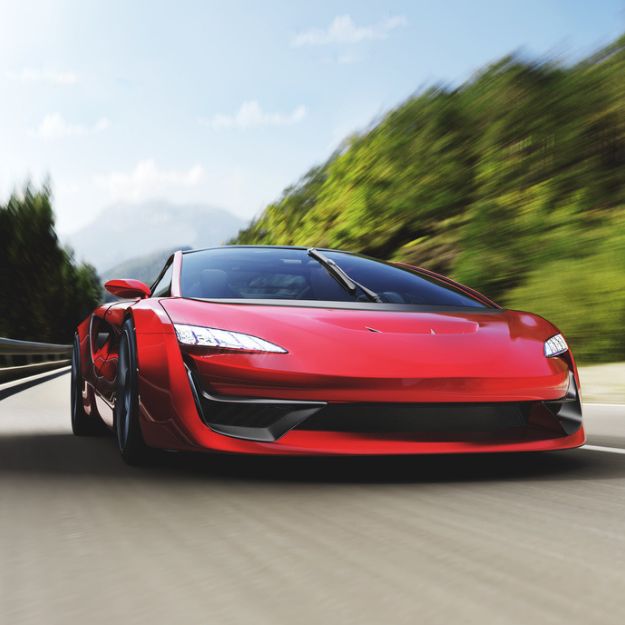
(127, 288)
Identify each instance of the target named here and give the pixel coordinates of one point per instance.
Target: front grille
(426, 418)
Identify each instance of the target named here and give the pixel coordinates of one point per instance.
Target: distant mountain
(124, 231)
(145, 268)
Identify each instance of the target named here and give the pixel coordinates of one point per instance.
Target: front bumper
(266, 420)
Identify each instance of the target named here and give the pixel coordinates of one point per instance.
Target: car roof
(275, 247)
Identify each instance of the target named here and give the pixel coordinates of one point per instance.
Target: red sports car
(289, 350)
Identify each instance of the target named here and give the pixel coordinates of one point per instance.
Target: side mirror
(127, 288)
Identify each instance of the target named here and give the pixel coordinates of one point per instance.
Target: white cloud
(147, 181)
(342, 29)
(347, 59)
(54, 126)
(251, 115)
(67, 187)
(53, 77)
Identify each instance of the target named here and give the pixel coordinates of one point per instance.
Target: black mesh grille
(390, 417)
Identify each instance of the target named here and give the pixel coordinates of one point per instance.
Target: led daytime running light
(223, 339)
(555, 346)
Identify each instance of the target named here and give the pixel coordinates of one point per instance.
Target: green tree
(45, 294)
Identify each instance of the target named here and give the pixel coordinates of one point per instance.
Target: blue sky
(227, 103)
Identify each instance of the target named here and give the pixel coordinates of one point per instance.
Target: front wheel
(128, 434)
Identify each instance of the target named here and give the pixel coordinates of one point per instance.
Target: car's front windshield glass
(273, 273)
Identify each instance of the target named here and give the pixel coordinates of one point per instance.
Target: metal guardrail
(19, 359)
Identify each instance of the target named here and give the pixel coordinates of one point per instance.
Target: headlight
(223, 339)
(555, 346)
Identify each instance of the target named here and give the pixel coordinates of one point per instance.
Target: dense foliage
(513, 183)
(45, 294)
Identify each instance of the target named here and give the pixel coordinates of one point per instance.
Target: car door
(104, 342)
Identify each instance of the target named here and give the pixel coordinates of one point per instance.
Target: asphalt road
(537, 538)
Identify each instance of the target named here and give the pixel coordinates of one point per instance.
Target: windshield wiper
(349, 284)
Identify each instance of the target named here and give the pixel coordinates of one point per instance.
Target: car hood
(381, 355)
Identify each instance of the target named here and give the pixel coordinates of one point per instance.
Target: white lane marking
(32, 378)
(592, 403)
(611, 450)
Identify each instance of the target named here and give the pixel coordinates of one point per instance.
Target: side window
(100, 332)
(163, 287)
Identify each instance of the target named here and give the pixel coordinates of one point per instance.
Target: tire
(128, 434)
(82, 423)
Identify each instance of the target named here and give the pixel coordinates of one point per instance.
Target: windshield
(273, 273)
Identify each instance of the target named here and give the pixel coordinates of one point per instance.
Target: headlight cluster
(223, 339)
(555, 346)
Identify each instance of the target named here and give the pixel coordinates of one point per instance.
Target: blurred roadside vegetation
(44, 292)
(513, 183)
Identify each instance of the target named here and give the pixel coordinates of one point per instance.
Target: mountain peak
(126, 230)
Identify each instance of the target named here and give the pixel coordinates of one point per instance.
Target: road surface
(536, 538)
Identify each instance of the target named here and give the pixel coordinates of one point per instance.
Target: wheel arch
(83, 334)
(162, 383)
